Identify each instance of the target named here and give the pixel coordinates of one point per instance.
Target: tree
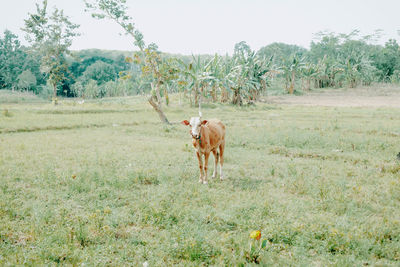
(246, 73)
(12, 59)
(356, 68)
(111, 89)
(324, 53)
(92, 90)
(291, 68)
(84, 58)
(160, 70)
(346, 58)
(51, 36)
(280, 52)
(218, 83)
(32, 63)
(26, 80)
(99, 71)
(78, 89)
(309, 72)
(387, 59)
(197, 77)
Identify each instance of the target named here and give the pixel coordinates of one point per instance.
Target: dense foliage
(48, 67)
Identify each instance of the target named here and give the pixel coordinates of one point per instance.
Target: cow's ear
(204, 122)
(185, 122)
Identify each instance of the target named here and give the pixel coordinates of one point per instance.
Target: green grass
(7, 96)
(105, 183)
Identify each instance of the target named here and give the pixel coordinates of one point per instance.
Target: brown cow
(207, 137)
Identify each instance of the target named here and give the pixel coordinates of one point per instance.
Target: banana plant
(357, 68)
(261, 71)
(309, 72)
(329, 71)
(292, 68)
(249, 74)
(197, 76)
(245, 75)
(217, 83)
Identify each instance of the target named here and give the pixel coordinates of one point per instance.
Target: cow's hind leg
(216, 158)
(221, 159)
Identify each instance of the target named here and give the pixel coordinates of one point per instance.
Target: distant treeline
(333, 60)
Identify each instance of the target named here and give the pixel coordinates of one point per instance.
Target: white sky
(214, 26)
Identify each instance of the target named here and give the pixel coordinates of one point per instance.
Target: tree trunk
(158, 109)
(55, 100)
(317, 83)
(291, 88)
(253, 95)
(264, 86)
(308, 84)
(201, 94)
(196, 96)
(156, 103)
(191, 98)
(224, 95)
(214, 93)
(353, 83)
(166, 96)
(236, 98)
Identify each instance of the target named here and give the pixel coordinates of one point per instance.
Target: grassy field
(105, 183)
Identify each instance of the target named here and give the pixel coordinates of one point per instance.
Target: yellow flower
(255, 235)
(334, 232)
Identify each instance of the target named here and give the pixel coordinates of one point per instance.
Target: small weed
(82, 235)
(196, 250)
(7, 113)
(143, 178)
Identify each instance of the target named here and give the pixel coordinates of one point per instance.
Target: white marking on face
(195, 123)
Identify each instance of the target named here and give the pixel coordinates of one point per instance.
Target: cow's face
(195, 123)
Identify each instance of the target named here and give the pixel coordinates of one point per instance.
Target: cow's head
(195, 123)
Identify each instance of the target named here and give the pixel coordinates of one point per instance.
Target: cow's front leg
(199, 157)
(206, 155)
